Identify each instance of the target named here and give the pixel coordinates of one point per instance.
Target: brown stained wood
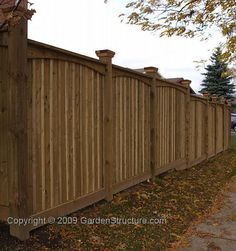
(177, 144)
(165, 126)
(106, 56)
(225, 143)
(73, 133)
(209, 129)
(131, 167)
(82, 131)
(38, 142)
(130, 182)
(102, 135)
(4, 212)
(137, 113)
(127, 128)
(30, 136)
(60, 130)
(77, 126)
(89, 132)
(4, 110)
(42, 133)
(125, 138)
(56, 133)
(46, 126)
(38, 50)
(192, 153)
(121, 72)
(98, 135)
(142, 119)
(51, 133)
(168, 117)
(121, 128)
(93, 175)
(138, 125)
(147, 128)
(116, 128)
(157, 126)
(34, 136)
(66, 138)
(64, 166)
(196, 131)
(184, 111)
(139, 129)
(70, 132)
(96, 164)
(17, 121)
(171, 123)
(187, 124)
(215, 128)
(205, 140)
(161, 104)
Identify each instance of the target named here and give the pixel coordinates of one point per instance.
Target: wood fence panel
(170, 127)
(211, 129)
(198, 130)
(219, 128)
(67, 132)
(131, 130)
(227, 127)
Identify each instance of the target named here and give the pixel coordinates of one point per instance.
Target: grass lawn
(233, 141)
(178, 197)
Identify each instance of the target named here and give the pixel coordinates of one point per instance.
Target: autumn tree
(216, 78)
(187, 18)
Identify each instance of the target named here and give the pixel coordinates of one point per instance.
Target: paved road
(219, 231)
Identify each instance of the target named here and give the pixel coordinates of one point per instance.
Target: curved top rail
(119, 71)
(38, 50)
(166, 83)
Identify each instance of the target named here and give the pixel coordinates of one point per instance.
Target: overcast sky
(84, 26)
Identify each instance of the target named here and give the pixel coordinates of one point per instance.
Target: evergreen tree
(217, 79)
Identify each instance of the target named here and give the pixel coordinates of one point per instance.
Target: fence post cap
(105, 53)
(214, 98)
(185, 82)
(205, 94)
(229, 102)
(222, 99)
(150, 69)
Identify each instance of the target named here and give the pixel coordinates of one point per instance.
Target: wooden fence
(94, 129)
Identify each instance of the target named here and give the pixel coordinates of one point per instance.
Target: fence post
(18, 145)
(214, 101)
(206, 96)
(152, 71)
(187, 83)
(105, 56)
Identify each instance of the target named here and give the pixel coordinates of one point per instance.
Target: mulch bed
(176, 199)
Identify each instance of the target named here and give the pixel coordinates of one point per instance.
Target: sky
(84, 26)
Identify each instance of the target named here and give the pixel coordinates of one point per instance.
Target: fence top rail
(196, 96)
(119, 71)
(49, 48)
(165, 82)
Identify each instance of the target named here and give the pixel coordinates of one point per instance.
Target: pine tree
(217, 80)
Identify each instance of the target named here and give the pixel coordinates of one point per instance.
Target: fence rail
(95, 129)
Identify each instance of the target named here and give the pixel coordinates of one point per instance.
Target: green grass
(233, 140)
